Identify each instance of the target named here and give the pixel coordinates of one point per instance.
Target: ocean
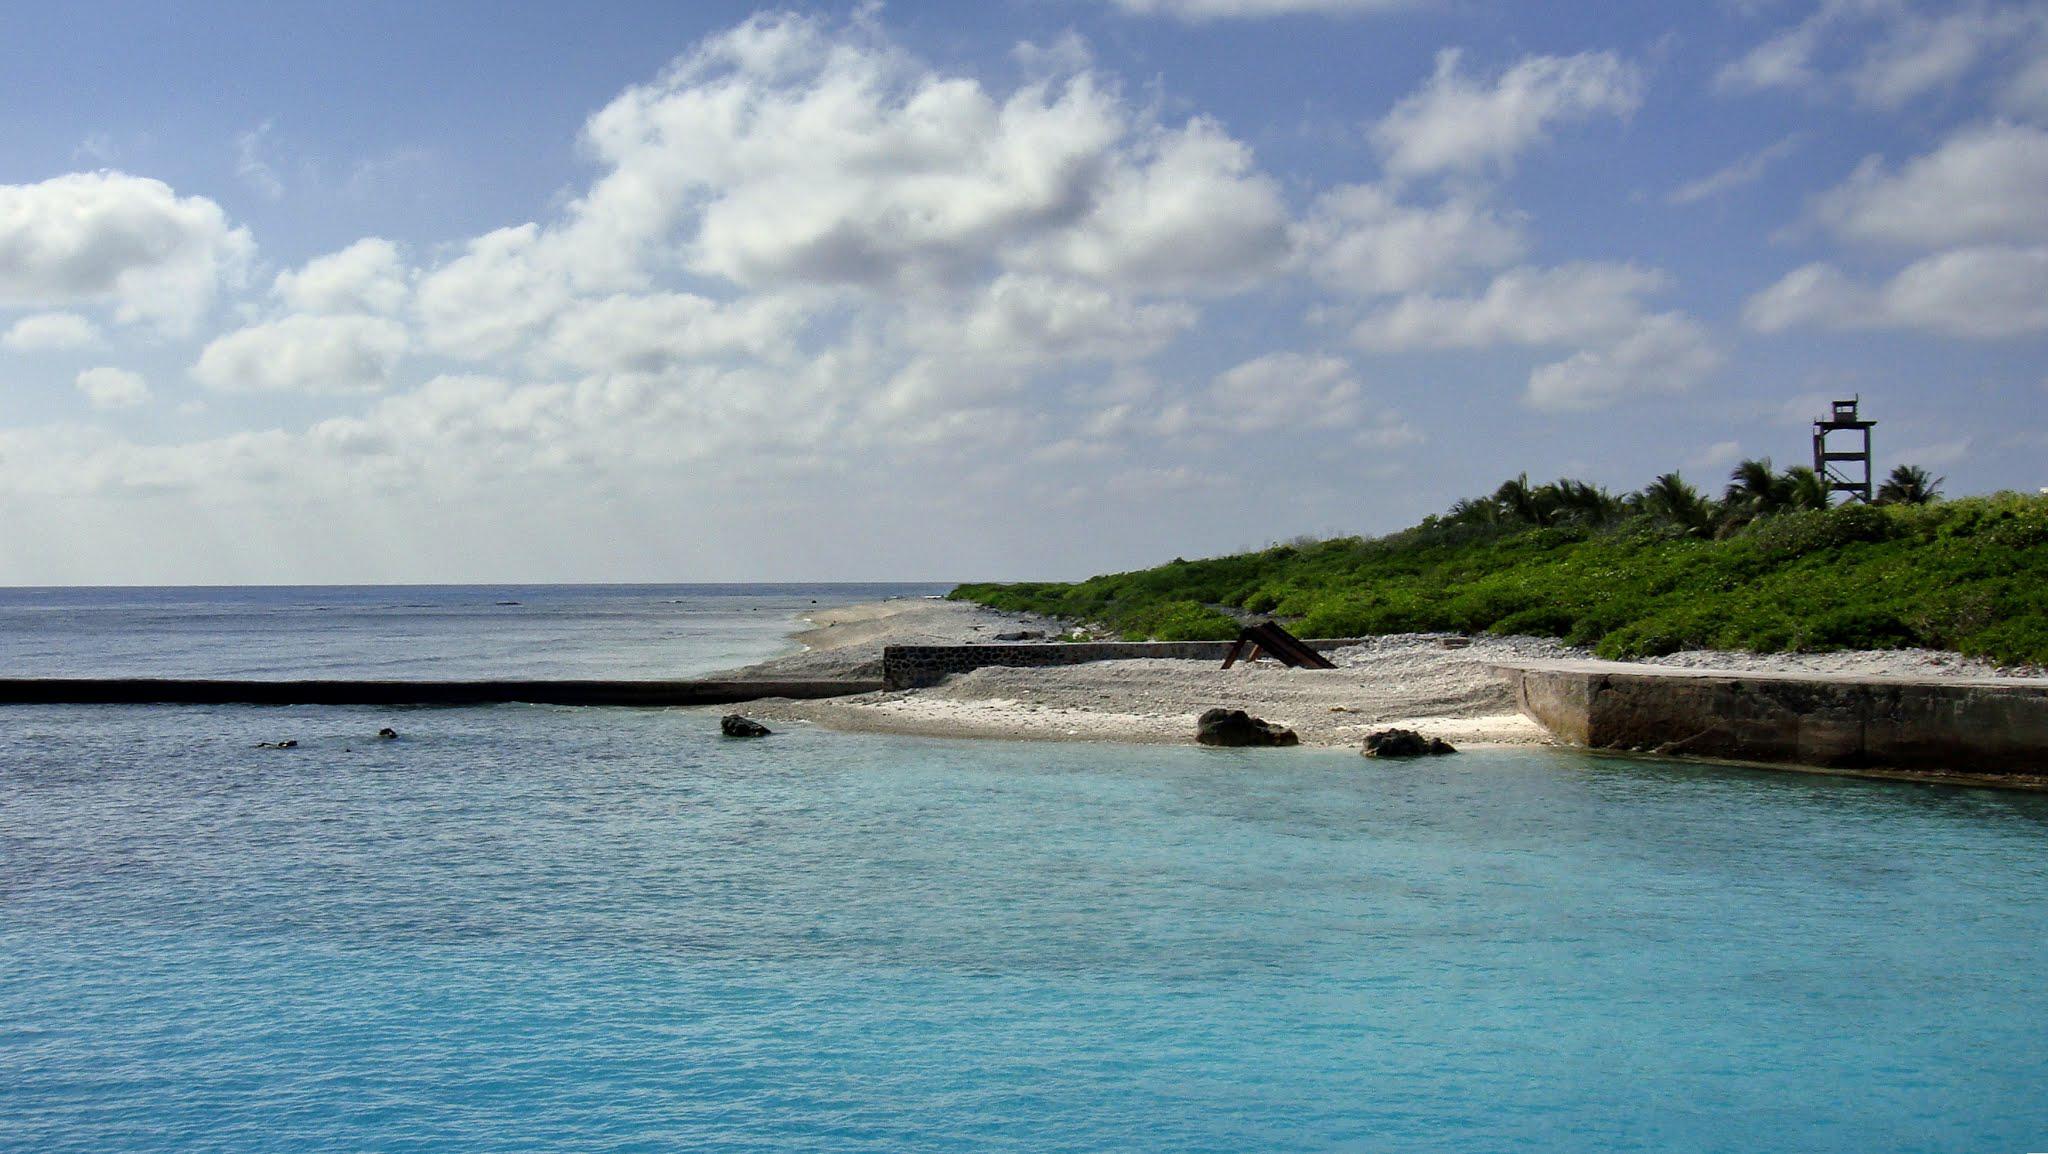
(528, 928)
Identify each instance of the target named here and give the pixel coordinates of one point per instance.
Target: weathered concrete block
(1984, 726)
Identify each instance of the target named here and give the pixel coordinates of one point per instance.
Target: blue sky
(466, 292)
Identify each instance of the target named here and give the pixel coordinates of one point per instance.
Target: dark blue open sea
(520, 928)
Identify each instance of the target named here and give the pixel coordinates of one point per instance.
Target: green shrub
(1969, 575)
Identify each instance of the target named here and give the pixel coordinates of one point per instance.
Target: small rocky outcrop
(1404, 743)
(1235, 727)
(733, 725)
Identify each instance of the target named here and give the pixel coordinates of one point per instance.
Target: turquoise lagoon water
(527, 928)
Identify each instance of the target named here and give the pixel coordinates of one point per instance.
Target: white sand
(1439, 684)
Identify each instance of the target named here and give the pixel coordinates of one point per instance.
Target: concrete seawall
(1985, 726)
(919, 666)
(151, 691)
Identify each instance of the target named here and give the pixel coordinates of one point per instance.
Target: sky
(466, 292)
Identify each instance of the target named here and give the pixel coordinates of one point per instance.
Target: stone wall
(917, 666)
(1975, 726)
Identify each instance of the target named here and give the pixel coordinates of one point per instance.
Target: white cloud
(1359, 238)
(1919, 56)
(1200, 10)
(2025, 92)
(1983, 292)
(50, 333)
(1987, 183)
(1186, 210)
(1783, 61)
(306, 354)
(366, 277)
(1044, 319)
(1286, 390)
(646, 333)
(107, 236)
(1814, 294)
(250, 165)
(1668, 353)
(814, 159)
(1524, 306)
(1879, 53)
(1746, 171)
(110, 388)
(789, 154)
(1973, 292)
(506, 286)
(1456, 123)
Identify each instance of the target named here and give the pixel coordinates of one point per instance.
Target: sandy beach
(1415, 682)
(1442, 685)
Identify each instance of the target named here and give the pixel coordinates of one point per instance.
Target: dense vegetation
(1768, 567)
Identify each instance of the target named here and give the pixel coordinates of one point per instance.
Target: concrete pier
(1993, 727)
(153, 691)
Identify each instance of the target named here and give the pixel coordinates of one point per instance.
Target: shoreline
(1439, 685)
(1410, 682)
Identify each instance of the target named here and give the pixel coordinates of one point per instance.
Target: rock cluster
(1235, 727)
(1404, 743)
(733, 725)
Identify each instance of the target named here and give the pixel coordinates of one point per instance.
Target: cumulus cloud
(1361, 239)
(1042, 319)
(1185, 210)
(792, 155)
(1986, 183)
(507, 285)
(111, 388)
(649, 332)
(1201, 10)
(1287, 390)
(1983, 292)
(1458, 123)
(368, 276)
(304, 354)
(50, 333)
(93, 237)
(1667, 353)
(1523, 306)
(1625, 349)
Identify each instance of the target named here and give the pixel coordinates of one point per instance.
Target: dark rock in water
(733, 725)
(1235, 727)
(287, 743)
(1404, 743)
(1021, 635)
(387, 733)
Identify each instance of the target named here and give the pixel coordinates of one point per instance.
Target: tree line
(1755, 490)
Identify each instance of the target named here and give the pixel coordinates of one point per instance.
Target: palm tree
(1669, 498)
(1475, 511)
(1805, 488)
(1754, 490)
(1522, 503)
(1909, 485)
(1583, 501)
